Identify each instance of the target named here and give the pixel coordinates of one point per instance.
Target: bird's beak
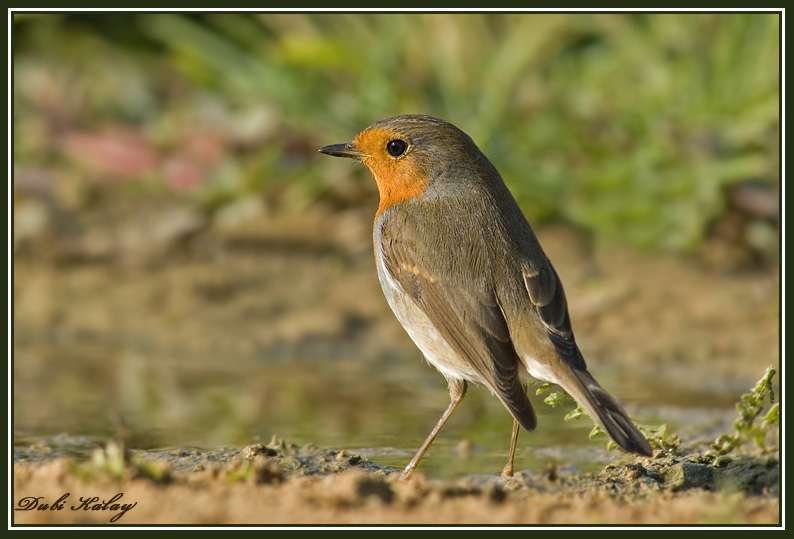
(341, 150)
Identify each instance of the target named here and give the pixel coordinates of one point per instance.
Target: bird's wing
(548, 299)
(466, 314)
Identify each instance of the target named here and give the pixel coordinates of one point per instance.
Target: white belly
(421, 330)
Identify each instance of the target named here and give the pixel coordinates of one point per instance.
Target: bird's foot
(507, 472)
(406, 473)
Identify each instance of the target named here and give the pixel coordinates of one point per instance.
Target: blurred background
(189, 271)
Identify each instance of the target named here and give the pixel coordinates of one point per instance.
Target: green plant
(555, 398)
(749, 408)
(658, 436)
(113, 462)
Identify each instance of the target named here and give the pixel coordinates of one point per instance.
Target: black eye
(396, 147)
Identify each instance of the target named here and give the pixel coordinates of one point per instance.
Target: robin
(466, 277)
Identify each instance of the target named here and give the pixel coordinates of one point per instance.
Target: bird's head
(407, 153)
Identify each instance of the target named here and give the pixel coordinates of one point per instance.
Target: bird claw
(406, 474)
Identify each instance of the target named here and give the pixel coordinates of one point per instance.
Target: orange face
(389, 157)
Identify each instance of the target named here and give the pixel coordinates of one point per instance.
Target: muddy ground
(191, 340)
(282, 483)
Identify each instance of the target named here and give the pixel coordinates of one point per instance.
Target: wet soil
(283, 483)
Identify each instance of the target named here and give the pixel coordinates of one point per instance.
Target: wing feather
(548, 298)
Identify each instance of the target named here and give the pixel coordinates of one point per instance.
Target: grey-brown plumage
(468, 279)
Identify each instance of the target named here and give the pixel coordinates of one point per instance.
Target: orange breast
(398, 187)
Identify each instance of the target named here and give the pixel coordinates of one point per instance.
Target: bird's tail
(603, 408)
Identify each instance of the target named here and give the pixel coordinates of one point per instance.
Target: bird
(467, 278)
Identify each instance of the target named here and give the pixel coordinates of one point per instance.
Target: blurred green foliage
(630, 126)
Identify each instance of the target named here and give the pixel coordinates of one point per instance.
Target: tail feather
(608, 412)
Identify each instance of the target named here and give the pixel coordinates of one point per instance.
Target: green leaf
(542, 388)
(576, 413)
(596, 431)
(555, 399)
(772, 417)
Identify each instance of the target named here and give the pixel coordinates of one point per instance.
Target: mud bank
(283, 483)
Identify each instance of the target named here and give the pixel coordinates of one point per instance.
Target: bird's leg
(457, 389)
(507, 471)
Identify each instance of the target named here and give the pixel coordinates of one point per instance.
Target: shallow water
(381, 413)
